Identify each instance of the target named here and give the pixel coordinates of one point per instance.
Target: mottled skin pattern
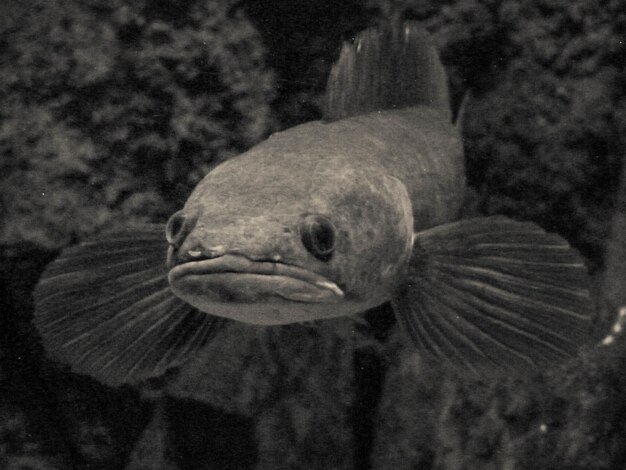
(378, 177)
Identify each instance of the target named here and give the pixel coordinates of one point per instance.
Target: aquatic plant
(113, 110)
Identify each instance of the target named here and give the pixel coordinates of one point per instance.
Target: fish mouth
(236, 278)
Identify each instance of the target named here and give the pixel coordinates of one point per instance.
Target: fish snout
(255, 238)
(185, 254)
(198, 252)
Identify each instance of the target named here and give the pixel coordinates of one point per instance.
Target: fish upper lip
(241, 264)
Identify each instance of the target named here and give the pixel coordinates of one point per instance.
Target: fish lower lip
(234, 264)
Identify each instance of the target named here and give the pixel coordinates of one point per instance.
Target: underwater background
(111, 112)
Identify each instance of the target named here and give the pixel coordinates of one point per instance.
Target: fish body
(329, 218)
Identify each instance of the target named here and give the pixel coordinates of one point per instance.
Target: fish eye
(175, 230)
(318, 236)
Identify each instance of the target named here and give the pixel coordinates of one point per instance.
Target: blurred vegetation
(112, 111)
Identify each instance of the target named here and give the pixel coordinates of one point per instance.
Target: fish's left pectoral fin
(105, 308)
(491, 295)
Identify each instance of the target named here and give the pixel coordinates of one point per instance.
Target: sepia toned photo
(282, 235)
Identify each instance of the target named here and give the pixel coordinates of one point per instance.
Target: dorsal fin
(387, 68)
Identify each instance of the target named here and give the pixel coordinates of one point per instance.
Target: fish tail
(105, 308)
(388, 67)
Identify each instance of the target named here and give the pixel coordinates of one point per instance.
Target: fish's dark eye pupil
(318, 236)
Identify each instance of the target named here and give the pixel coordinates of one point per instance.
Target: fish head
(290, 247)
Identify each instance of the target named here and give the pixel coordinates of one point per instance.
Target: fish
(329, 218)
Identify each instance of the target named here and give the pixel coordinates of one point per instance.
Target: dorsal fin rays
(387, 67)
(105, 307)
(521, 304)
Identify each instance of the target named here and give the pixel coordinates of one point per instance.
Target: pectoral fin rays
(105, 307)
(491, 294)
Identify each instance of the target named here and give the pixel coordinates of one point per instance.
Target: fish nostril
(318, 236)
(177, 229)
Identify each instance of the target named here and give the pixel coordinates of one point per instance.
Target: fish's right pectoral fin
(105, 307)
(495, 295)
